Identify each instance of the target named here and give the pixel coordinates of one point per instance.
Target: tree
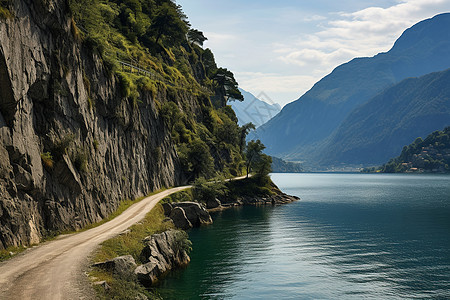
(200, 159)
(169, 23)
(263, 166)
(253, 154)
(245, 130)
(196, 36)
(224, 80)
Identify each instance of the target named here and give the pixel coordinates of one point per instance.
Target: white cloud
(288, 87)
(361, 33)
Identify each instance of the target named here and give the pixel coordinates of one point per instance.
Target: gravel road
(56, 269)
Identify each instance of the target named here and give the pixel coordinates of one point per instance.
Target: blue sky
(283, 47)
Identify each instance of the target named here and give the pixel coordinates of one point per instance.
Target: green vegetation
(257, 161)
(151, 49)
(5, 13)
(281, 166)
(131, 243)
(9, 252)
(429, 155)
(47, 160)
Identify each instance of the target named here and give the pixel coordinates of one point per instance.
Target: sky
(281, 48)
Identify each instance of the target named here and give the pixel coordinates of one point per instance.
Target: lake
(352, 236)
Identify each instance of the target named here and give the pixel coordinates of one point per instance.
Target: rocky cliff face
(57, 98)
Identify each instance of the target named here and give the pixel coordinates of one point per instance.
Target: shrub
(47, 160)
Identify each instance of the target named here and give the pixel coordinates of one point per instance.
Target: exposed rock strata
(186, 215)
(47, 81)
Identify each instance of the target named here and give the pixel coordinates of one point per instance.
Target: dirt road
(54, 270)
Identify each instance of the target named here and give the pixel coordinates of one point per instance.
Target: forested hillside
(429, 155)
(377, 130)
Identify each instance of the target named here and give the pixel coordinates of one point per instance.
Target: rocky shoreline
(169, 250)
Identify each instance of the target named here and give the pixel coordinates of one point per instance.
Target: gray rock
(123, 266)
(213, 203)
(195, 213)
(180, 219)
(103, 284)
(167, 208)
(161, 253)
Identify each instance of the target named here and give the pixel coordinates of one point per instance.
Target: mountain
(377, 130)
(253, 109)
(303, 125)
(429, 155)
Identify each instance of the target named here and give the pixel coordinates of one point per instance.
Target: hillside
(304, 124)
(281, 166)
(254, 110)
(429, 155)
(377, 130)
(103, 101)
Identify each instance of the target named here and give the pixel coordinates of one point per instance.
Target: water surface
(352, 236)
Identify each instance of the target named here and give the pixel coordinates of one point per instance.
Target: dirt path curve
(54, 270)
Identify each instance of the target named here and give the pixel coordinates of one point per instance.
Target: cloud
(275, 84)
(315, 18)
(361, 33)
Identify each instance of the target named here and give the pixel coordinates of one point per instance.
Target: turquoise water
(352, 236)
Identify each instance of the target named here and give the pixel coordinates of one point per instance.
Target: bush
(47, 160)
(204, 191)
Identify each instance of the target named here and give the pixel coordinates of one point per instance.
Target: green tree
(200, 159)
(196, 36)
(225, 81)
(245, 130)
(253, 154)
(169, 23)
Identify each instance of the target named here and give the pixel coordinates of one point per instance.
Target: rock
(103, 284)
(147, 274)
(162, 252)
(180, 219)
(213, 203)
(123, 266)
(24, 180)
(167, 208)
(195, 213)
(141, 296)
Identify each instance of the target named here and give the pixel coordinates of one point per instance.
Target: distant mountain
(302, 126)
(377, 130)
(429, 155)
(281, 166)
(254, 110)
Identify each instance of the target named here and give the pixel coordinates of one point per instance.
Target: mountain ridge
(295, 131)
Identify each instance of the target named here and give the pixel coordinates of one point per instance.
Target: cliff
(74, 139)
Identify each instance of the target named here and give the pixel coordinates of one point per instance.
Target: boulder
(195, 213)
(167, 208)
(123, 266)
(213, 203)
(180, 219)
(162, 252)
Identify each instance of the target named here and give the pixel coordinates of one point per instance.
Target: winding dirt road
(55, 270)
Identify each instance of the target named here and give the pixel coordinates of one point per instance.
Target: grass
(9, 252)
(129, 243)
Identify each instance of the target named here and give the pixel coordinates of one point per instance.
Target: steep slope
(253, 109)
(295, 131)
(377, 130)
(82, 128)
